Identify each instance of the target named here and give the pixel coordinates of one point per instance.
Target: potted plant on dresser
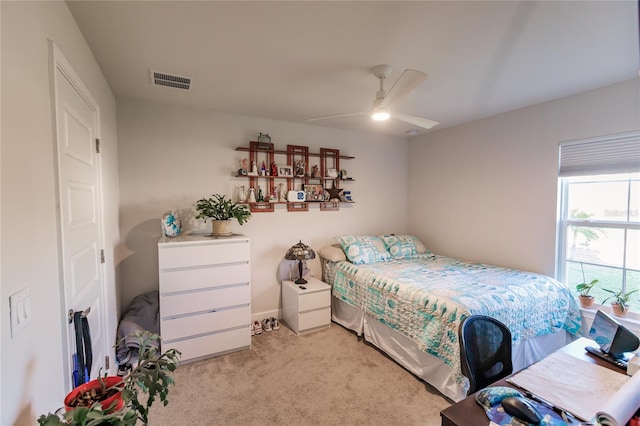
(619, 301)
(114, 400)
(221, 210)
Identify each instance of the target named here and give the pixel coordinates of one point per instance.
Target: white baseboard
(259, 316)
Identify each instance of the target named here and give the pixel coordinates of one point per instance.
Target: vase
(171, 225)
(221, 228)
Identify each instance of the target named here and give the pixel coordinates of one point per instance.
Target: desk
(469, 413)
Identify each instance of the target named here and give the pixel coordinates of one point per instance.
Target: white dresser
(205, 294)
(306, 307)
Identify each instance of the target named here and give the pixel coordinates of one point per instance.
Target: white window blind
(619, 153)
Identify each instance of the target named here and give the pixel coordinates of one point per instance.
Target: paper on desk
(618, 410)
(571, 384)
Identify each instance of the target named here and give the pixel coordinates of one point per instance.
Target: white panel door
(80, 215)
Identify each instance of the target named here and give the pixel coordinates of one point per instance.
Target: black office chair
(485, 351)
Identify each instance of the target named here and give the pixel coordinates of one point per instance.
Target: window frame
(564, 222)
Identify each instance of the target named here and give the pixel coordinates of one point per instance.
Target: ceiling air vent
(168, 80)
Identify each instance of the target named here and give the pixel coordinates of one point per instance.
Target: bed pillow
(332, 253)
(363, 249)
(404, 246)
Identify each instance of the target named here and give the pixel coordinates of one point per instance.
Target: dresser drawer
(314, 319)
(204, 300)
(176, 328)
(186, 255)
(211, 344)
(204, 277)
(311, 301)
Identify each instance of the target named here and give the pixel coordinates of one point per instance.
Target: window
(599, 215)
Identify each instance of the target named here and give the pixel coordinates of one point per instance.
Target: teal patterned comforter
(426, 299)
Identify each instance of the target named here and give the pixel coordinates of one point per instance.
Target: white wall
(487, 191)
(31, 371)
(170, 157)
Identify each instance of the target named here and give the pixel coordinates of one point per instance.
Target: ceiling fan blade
(416, 121)
(348, 114)
(409, 80)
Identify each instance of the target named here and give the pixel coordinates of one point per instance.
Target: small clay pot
(586, 301)
(617, 310)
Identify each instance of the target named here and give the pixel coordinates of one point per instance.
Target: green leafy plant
(217, 207)
(584, 287)
(619, 297)
(150, 377)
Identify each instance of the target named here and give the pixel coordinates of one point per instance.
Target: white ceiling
(297, 60)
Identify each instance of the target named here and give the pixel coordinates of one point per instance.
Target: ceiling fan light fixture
(380, 114)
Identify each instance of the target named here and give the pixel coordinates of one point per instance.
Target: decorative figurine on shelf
(264, 137)
(299, 168)
(332, 173)
(171, 225)
(252, 195)
(263, 169)
(242, 194)
(272, 196)
(260, 195)
(314, 171)
(254, 169)
(282, 193)
(334, 193)
(274, 169)
(244, 167)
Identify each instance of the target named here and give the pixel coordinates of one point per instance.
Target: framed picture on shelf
(285, 171)
(313, 192)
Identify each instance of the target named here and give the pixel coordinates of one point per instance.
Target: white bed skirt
(427, 367)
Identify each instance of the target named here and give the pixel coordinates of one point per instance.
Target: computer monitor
(614, 339)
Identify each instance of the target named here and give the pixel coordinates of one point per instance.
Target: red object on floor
(95, 384)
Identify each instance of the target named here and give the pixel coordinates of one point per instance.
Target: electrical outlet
(20, 307)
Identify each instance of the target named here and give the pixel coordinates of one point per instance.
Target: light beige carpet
(326, 377)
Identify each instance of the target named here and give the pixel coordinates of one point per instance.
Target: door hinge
(102, 256)
(98, 146)
(106, 362)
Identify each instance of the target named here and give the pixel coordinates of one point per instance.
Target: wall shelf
(264, 155)
(277, 151)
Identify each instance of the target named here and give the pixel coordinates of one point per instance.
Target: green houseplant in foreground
(619, 301)
(221, 210)
(150, 377)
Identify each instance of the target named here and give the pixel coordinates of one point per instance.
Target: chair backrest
(485, 351)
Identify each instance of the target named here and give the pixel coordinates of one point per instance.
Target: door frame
(57, 61)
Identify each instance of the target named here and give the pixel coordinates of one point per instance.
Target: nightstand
(306, 307)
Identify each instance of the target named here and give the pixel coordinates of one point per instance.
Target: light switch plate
(20, 307)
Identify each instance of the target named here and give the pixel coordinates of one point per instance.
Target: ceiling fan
(409, 80)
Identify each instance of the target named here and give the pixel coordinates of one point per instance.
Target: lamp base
(300, 280)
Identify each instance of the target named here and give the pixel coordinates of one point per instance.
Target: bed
(410, 302)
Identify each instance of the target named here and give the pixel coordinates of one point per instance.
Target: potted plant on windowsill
(114, 400)
(221, 210)
(619, 301)
(586, 300)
